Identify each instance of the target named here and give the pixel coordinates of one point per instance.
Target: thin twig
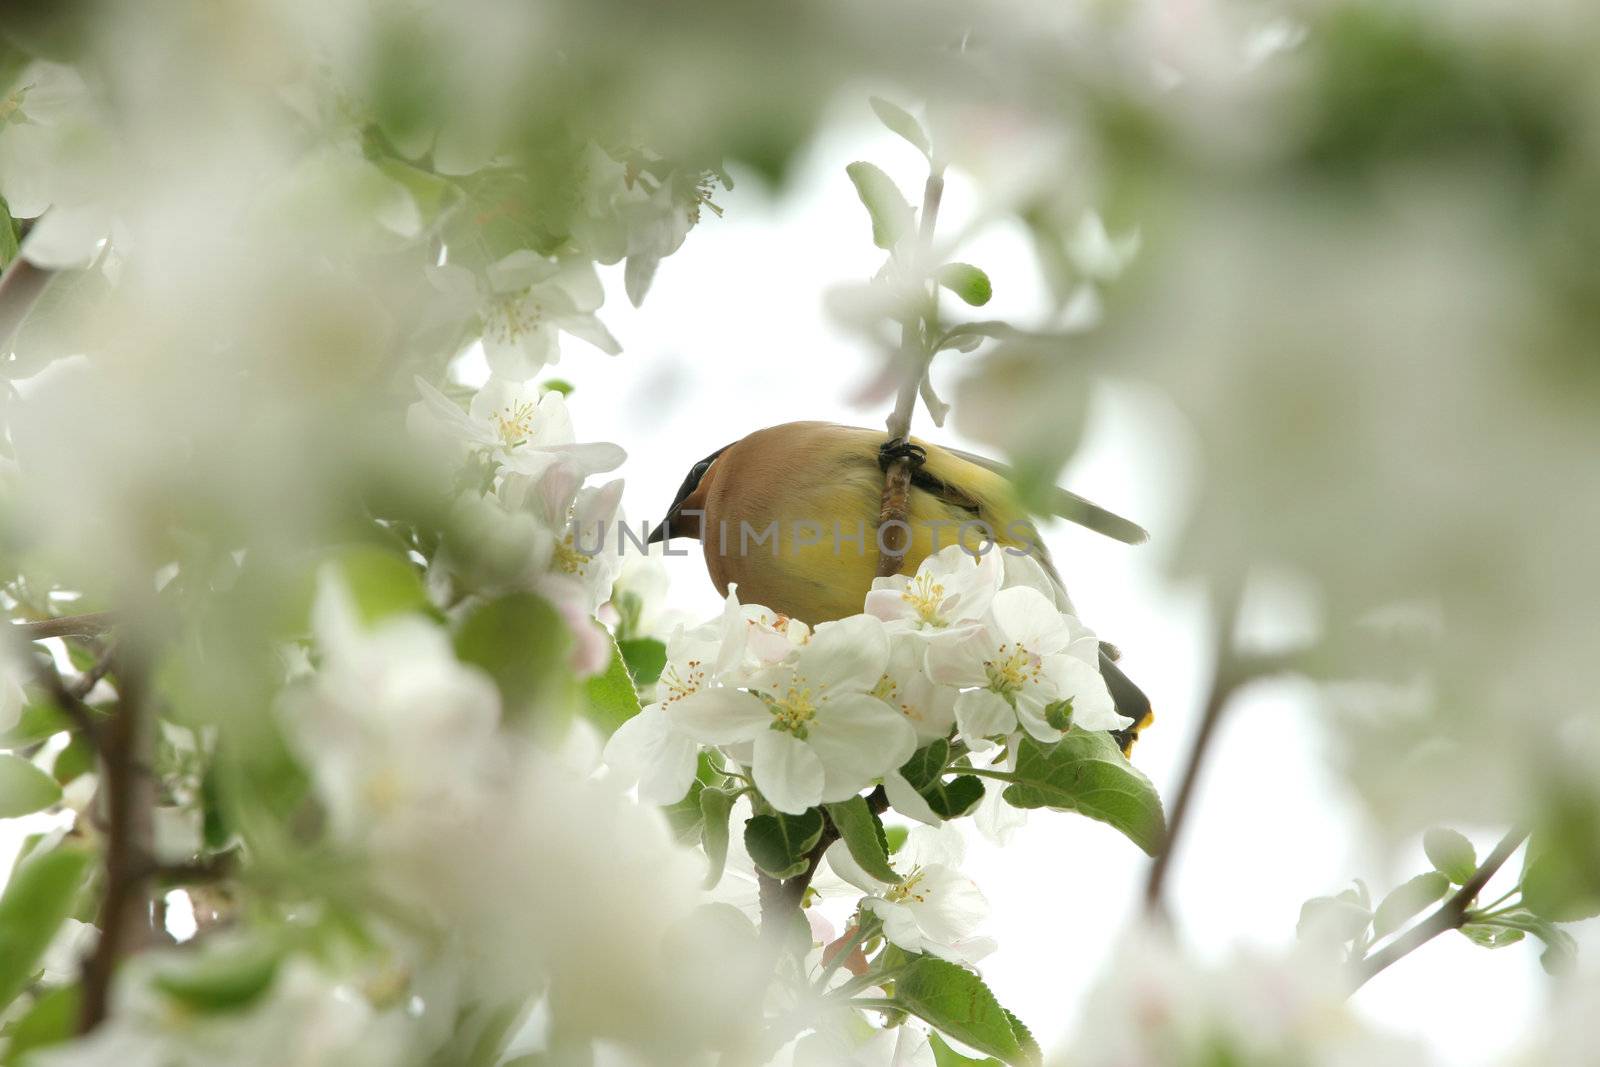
(130, 802)
(67, 700)
(1450, 915)
(91, 624)
(1226, 679)
(916, 351)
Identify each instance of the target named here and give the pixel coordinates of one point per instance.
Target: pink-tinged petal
(720, 716)
(859, 738)
(889, 605)
(787, 772)
(1026, 617)
(982, 713)
(845, 656)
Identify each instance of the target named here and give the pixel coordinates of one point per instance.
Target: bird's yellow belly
(817, 569)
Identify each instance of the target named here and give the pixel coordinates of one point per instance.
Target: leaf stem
(1450, 915)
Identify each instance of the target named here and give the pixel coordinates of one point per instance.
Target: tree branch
(89, 625)
(1227, 677)
(125, 751)
(1450, 915)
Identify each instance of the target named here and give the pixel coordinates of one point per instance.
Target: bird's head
(683, 518)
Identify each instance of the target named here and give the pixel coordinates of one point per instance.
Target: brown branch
(1228, 676)
(1450, 915)
(68, 700)
(129, 789)
(91, 624)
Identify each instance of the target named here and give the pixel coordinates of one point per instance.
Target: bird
(789, 514)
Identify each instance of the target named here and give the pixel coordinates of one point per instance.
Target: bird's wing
(1071, 506)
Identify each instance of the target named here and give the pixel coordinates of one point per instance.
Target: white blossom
(934, 908)
(816, 732)
(1027, 658)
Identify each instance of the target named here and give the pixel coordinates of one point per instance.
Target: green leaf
(49, 1020)
(74, 760)
(716, 805)
(957, 1002)
(382, 583)
(1406, 900)
(40, 895)
(24, 788)
(1086, 772)
(686, 817)
(220, 978)
(949, 798)
(1489, 935)
(1451, 854)
(892, 217)
(60, 323)
(966, 281)
(9, 246)
(945, 1056)
(523, 644)
(610, 696)
(862, 833)
(1560, 886)
(38, 721)
(902, 122)
(895, 837)
(778, 843)
(646, 658)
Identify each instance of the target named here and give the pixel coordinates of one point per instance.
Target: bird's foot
(891, 451)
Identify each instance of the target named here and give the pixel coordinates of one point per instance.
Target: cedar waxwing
(790, 514)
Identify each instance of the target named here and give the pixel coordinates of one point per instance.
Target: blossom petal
(859, 738)
(721, 716)
(907, 801)
(590, 329)
(1028, 618)
(848, 655)
(661, 758)
(1092, 706)
(787, 771)
(982, 713)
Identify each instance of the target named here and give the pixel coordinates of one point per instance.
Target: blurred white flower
(817, 733)
(952, 588)
(63, 959)
(396, 731)
(1159, 1008)
(527, 302)
(1028, 657)
(307, 1019)
(525, 431)
(934, 908)
(55, 161)
(903, 1046)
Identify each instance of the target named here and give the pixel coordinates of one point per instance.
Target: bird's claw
(891, 451)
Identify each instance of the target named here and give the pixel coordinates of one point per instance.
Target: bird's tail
(1129, 699)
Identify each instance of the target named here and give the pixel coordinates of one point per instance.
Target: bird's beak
(662, 532)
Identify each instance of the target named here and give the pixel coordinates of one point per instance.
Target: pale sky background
(733, 337)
